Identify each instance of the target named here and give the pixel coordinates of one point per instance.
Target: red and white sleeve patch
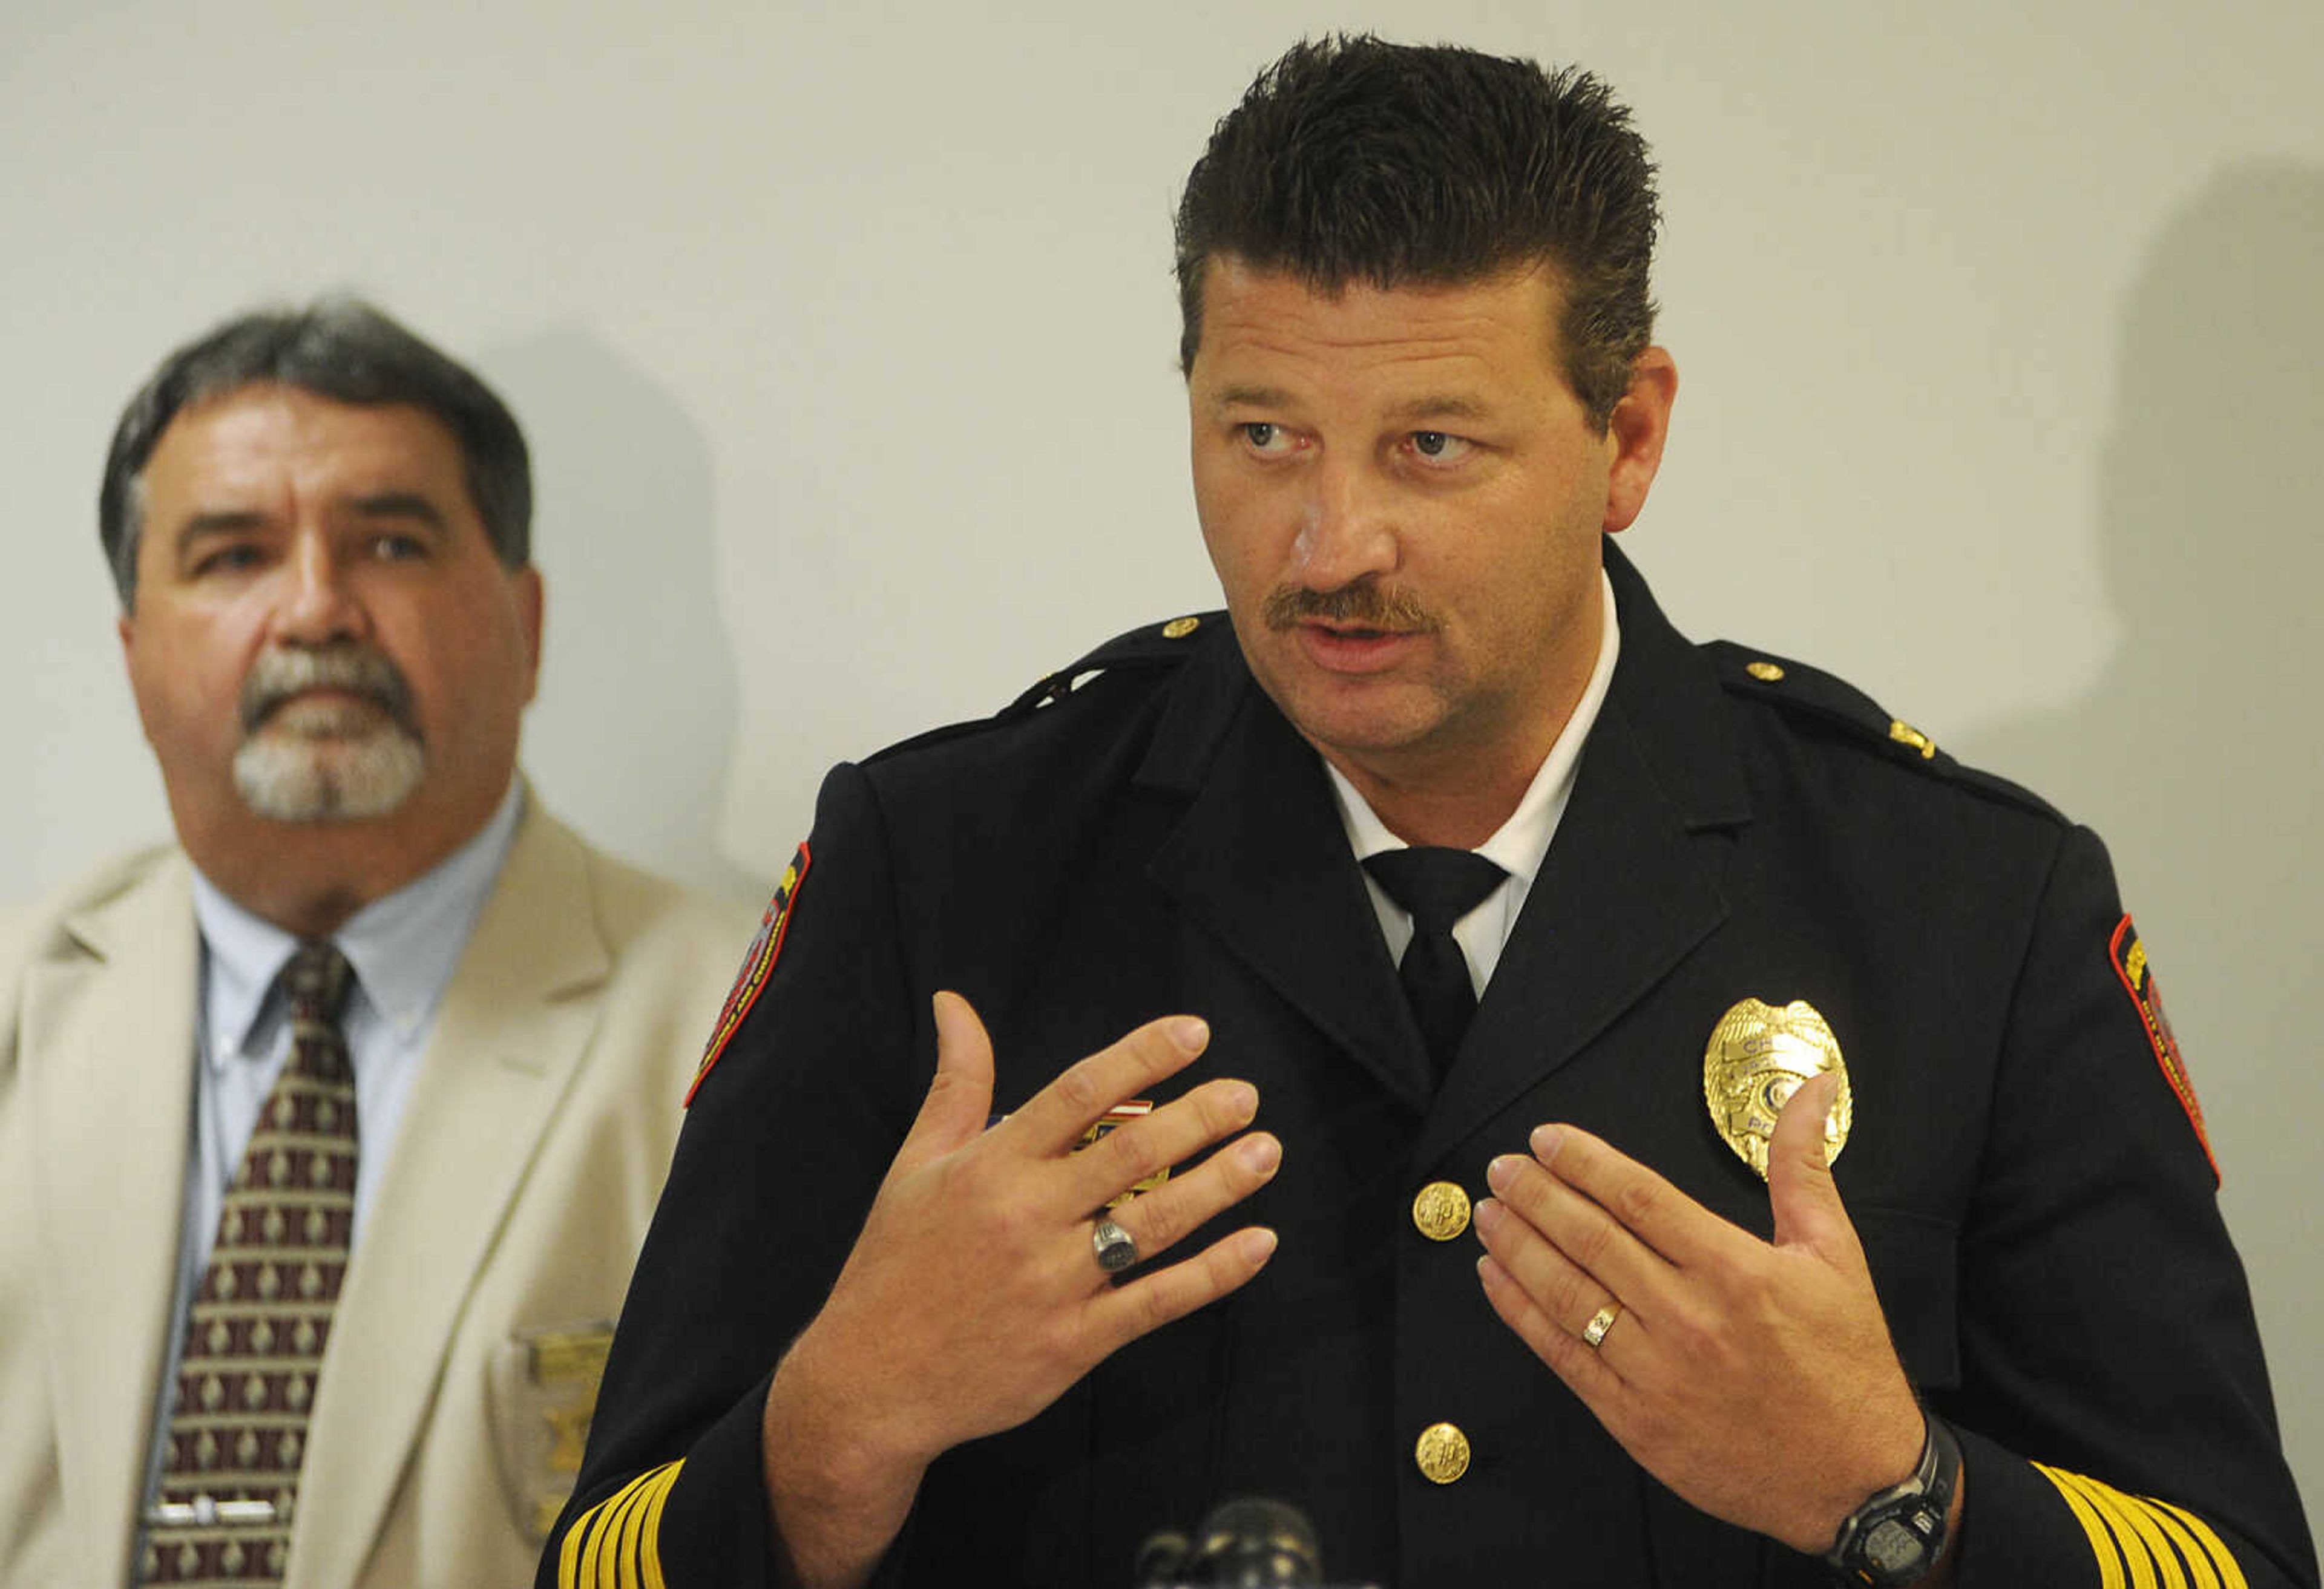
(2129, 958)
(758, 965)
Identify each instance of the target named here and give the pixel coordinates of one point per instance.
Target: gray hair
(340, 348)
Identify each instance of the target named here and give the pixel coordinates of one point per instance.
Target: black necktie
(1437, 886)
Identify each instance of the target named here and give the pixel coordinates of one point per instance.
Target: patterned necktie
(262, 1316)
(1437, 886)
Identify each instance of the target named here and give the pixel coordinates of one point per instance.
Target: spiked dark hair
(1352, 160)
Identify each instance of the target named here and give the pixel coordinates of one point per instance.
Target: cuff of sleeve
(715, 1530)
(2027, 1523)
(2016, 1525)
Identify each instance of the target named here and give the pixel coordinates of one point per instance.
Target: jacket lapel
(1261, 863)
(513, 1025)
(1630, 884)
(117, 1025)
(1619, 900)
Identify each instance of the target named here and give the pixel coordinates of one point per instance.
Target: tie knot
(316, 981)
(1436, 885)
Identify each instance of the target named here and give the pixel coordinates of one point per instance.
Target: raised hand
(974, 1297)
(1754, 1379)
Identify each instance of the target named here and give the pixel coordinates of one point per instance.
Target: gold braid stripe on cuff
(2141, 1543)
(616, 1544)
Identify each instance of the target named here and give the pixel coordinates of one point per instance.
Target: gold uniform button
(1443, 1453)
(1178, 629)
(1766, 672)
(1440, 1210)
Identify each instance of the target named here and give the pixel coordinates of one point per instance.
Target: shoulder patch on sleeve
(2129, 958)
(758, 964)
(1154, 645)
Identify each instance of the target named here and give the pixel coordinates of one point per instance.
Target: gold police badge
(1758, 1057)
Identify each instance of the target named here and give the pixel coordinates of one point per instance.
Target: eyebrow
(1251, 397)
(398, 505)
(1447, 406)
(228, 521)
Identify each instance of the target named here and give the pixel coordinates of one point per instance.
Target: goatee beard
(326, 760)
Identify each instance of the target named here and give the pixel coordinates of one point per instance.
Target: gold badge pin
(1115, 1118)
(1757, 1058)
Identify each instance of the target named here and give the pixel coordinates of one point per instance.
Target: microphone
(1252, 1543)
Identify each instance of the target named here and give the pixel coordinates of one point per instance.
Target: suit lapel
(110, 1184)
(1261, 863)
(513, 1025)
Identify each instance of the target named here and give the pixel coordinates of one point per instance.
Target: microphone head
(1162, 1559)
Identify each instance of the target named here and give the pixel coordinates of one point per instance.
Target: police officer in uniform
(1556, 1103)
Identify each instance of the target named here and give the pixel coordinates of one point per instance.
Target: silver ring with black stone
(1115, 1248)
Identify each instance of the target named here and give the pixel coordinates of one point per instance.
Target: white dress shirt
(1517, 847)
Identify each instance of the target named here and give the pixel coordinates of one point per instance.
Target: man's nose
(1348, 531)
(320, 605)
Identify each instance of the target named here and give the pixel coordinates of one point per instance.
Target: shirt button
(1443, 1453)
(1440, 1210)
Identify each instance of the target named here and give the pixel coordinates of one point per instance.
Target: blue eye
(1438, 446)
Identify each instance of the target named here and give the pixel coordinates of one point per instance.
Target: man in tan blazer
(331, 623)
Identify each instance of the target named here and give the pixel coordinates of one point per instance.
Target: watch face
(1892, 1547)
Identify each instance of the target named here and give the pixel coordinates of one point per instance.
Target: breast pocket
(543, 1385)
(1916, 1268)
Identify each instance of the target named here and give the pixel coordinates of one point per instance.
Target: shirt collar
(403, 948)
(1518, 845)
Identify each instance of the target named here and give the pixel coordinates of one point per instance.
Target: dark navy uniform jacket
(2038, 1209)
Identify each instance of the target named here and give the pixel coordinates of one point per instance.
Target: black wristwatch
(1894, 1538)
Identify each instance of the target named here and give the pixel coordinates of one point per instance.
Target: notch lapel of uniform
(1632, 882)
(1261, 862)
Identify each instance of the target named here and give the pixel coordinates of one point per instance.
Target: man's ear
(1639, 429)
(529, 601)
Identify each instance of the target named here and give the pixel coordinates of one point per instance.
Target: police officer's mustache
(280, 675)
(1363, 604)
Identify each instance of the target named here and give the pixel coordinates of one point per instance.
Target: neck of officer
(1458, 790)
(308, 878)
(1459, 805)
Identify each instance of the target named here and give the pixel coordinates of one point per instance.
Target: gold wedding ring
(1594, 1332)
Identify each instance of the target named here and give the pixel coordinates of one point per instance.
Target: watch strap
(1915, 1510)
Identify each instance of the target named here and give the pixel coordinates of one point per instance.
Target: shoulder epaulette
(1153, 645)
(1150, 646)
(1796, 688)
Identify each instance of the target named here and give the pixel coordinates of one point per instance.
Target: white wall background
(845, 341)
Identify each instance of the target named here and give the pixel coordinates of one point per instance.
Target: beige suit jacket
(458, 1373)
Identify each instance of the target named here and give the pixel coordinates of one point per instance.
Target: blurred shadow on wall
(632, 734)
(2198, 754)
